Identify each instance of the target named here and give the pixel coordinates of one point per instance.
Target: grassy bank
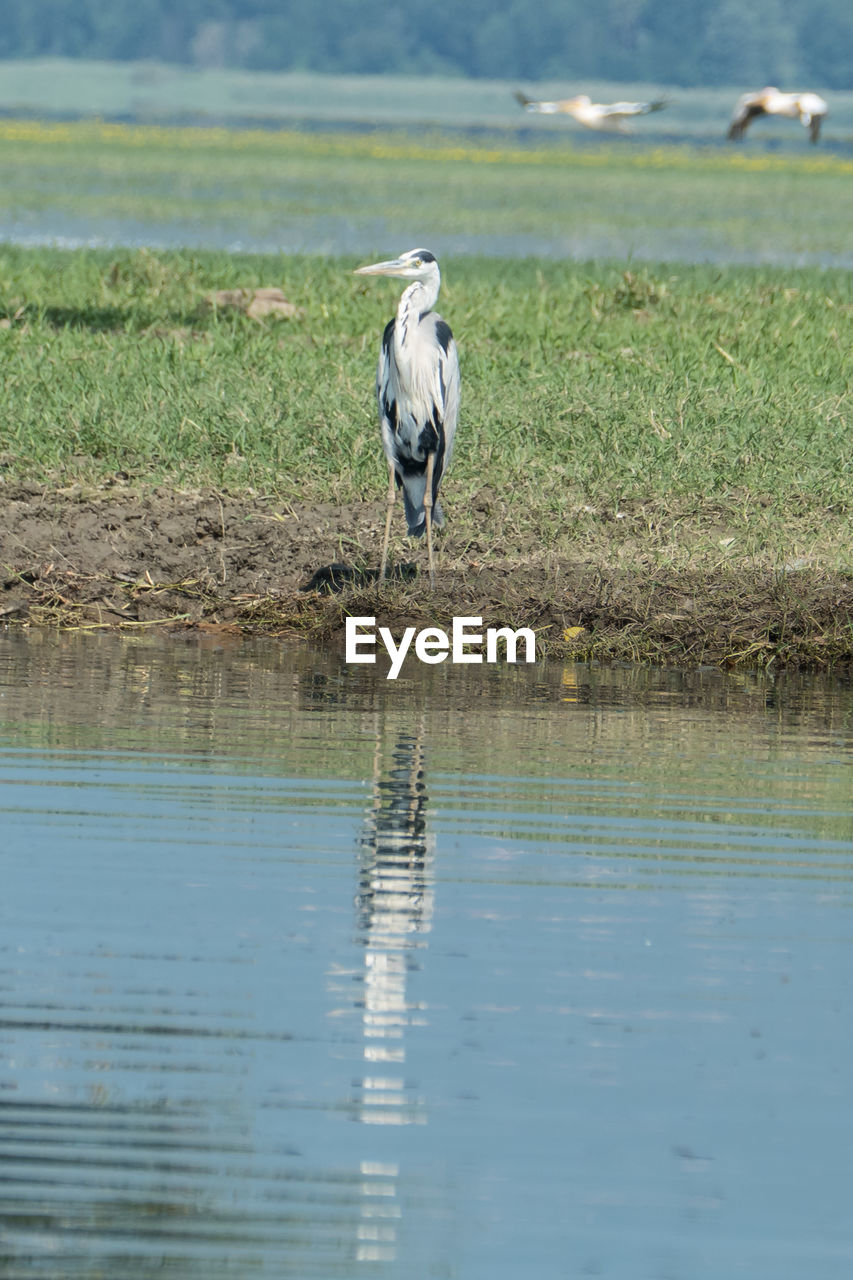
(658, 454)
(690, 415)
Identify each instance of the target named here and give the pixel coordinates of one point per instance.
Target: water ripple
(364, 983)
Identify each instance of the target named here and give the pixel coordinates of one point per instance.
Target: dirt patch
(257, 304)
(116, 557)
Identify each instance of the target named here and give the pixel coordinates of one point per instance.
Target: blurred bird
(417, 386)
(810, 108)
(593, 115)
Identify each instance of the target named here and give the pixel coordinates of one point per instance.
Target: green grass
(607, 412)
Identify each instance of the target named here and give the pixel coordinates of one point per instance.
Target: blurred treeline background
(671, 42)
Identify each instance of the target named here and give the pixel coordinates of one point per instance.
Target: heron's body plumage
(417, 387)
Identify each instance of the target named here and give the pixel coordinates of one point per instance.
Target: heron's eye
(419, 262)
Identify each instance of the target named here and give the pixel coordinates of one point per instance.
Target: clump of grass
(636, 291)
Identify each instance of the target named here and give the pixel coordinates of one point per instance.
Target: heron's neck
(418, 299)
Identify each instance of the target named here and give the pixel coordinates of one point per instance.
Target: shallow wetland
(493, 971)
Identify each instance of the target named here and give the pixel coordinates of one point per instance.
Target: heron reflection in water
(395, 905)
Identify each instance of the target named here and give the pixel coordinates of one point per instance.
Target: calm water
(475, 975)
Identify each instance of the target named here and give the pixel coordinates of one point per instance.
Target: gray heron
(809, 108)
(593, 115)
(417, 386)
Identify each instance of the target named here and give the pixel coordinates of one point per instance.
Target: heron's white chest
(416, 361)
(415, 366)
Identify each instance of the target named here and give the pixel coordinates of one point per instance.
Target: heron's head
(417, 264)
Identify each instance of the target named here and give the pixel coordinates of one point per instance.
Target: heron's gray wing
(449, 379)
(387, 393)
(443, 388)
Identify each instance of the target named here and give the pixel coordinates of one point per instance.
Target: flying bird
(809, 108)
(593, 115)
(417, 386)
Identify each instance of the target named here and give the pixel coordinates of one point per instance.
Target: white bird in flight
(809, 108)
(593, 115)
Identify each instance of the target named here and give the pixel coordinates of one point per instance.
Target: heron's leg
(428, 514)
(392, 495)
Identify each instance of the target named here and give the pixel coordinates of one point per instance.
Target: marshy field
(653, 457)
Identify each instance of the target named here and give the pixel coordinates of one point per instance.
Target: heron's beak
(393, 267)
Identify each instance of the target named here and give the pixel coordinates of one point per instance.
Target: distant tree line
(680, 42)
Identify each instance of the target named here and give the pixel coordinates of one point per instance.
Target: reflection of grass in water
(707, 404)
(639, 729)
(669, 201)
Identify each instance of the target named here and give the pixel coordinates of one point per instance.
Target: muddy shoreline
(122, 558)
